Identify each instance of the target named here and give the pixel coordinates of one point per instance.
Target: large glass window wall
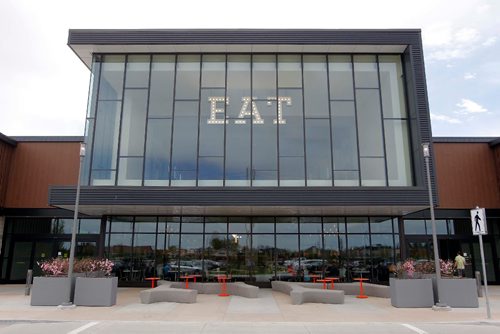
(251, 120)
(255, 249)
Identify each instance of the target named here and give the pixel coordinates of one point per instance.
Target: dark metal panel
(242, 36)
(48, 138)
(65, 195)
(449, 214)
(53, 212)
(463, 139)
(8, 140)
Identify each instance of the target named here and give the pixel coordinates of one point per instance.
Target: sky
(44, 86)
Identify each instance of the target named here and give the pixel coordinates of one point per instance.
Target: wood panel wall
(6, 152)
(37, 165)
(496, 153)
(466, 175)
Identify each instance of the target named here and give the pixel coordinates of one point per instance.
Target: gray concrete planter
(50, 291)
(90, 291)
(411, 292)
(458, 292)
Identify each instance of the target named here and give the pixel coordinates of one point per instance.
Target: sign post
(478, 220)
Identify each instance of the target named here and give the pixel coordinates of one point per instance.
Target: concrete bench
(166, 293)
(352, 289)
(237, 289)
(302, 293)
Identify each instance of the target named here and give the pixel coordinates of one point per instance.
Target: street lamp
(437, 267)
(75, 224)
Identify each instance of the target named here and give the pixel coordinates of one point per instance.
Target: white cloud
(490, 41)
(466, 35)
(469, 76)
(470, 107)
(445, 45)
(444, 118)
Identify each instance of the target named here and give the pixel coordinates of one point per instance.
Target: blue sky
(43, 88)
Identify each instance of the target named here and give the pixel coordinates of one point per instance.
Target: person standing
(460, 264)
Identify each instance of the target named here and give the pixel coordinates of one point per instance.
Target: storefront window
(248, 120)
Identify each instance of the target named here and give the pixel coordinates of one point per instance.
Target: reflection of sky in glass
(249, 151)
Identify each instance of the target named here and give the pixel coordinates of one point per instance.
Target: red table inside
(223, 286)
(194, 277)
(332, 280)
(328, 280)
(314, 277)
(361, 291)
(187, 277)
(152, 279)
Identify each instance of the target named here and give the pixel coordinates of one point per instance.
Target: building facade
(266, 154)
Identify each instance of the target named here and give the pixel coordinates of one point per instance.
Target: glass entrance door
(44, 250)
(488, 259)
(21, 260)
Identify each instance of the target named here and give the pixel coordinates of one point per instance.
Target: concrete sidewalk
(270, 307)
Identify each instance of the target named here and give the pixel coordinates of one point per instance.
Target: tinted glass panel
(397, 146)
(381, 225)
(414, 226)
(341, 85)
(157, 164)
(133, 122)
(212, 115)
(315, 87)
(263, 225)
(216, 227)
(392, 87)
(189, 227)
(111, 83)
(365, 72)
(162, 86)
(106, 135)
(213, 71)
(345, 143)
(90, 226)
(130, 172)
(210, 171)
(310, 225)
(264, 132)
(239, 111)
(145, 224)
(263, 245)
(287, 225)
(94, 84)
(441, 227)
(187, 82)
(373, 172)
(137, 71)
(122, 224)
(357, 225)
(291, 138)
(369, 122)
(184, 144)
(318, 153)
(289, 71)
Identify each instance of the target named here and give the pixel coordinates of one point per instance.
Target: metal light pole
(437, 267)
(75, 224)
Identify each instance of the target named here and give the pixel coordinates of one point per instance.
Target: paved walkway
(270, 307)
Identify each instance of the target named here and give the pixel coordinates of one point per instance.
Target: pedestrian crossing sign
(478, 220)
